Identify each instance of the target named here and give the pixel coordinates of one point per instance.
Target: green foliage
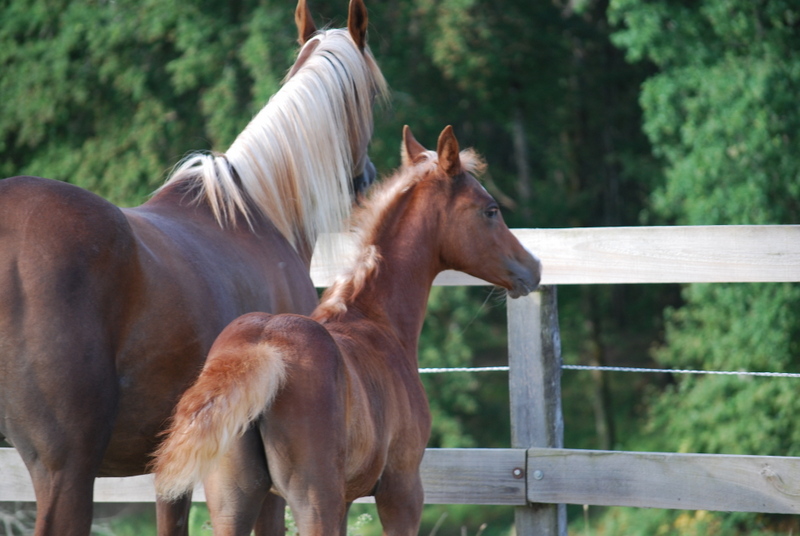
(109, 96)
(730, 327)
(455, 331)
(447, 520)
(722, 114)
(630, 521)
(722, 111)
(200, 523)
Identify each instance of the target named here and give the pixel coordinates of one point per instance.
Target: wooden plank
(534, 359)
(449, 476)
(15, 484)
(765, 484)
(474, 476)
(681, 254)
(691, 254)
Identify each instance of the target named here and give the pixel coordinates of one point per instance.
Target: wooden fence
(537, 474)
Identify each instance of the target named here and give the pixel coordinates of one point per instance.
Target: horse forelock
(367, 220)
(294, 160)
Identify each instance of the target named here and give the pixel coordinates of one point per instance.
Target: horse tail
(236, 385)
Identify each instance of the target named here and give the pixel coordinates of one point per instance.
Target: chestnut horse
(107, 314)
(337, 396)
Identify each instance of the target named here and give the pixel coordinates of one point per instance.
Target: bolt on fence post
(534, 376)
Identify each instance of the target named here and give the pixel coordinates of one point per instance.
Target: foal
(337, 397)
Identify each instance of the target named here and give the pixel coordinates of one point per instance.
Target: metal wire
(621, 369)
(462, 369)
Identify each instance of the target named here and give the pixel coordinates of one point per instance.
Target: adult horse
(107, 314)
(337, 396)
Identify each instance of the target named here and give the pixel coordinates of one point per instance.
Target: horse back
(108, 313)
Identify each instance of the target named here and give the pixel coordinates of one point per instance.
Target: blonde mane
(383, 199)
(294, 161)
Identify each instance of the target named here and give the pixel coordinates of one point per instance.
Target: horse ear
(305, 24)
(410, 148)
(447, 149)
(357, 21)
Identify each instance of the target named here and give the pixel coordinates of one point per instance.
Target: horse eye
(492, 212)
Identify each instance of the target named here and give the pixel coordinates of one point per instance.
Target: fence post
(534, 360)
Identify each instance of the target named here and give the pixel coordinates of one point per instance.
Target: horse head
(364, 172)
(473, 238)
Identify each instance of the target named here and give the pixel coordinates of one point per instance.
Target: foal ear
(357, 21)
(410, 149)
(447, 149)
(305, 24)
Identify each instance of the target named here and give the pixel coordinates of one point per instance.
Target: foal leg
(308, 471)
(317, 515)
(304, 438)
(237, 491)
(272, 518)
(399, 500)
(172, 517)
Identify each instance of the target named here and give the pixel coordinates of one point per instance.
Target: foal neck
(398, 264)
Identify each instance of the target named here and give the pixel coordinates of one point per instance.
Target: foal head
(471, 234)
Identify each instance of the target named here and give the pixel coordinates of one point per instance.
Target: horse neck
(398, 290)
(299, 177)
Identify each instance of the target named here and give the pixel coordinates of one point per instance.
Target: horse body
(194, 278)
(336, 396)
(108, 314)
(174, 268)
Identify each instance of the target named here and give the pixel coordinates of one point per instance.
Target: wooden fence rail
(538, 475)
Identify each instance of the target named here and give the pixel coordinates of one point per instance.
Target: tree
(722, 114)
(110, 96)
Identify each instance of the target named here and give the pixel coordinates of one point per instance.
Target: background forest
(589, 113)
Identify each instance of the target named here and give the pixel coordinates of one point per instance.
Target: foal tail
(238, 383)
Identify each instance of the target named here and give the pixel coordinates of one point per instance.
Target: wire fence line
(620, 369)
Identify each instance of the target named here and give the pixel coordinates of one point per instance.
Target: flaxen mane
(382, 199)
(294, 160)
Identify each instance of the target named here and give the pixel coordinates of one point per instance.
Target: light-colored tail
(231, 392)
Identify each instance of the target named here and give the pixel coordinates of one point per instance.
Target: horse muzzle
(526, 274)
(364, 180)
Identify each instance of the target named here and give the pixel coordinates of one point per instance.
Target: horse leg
(272, 518)
(316, 511)
(399, 500)
(237, 491)
(64, 407)
(172, 517)
(63, 499)
(63, 462)
(63, 451)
